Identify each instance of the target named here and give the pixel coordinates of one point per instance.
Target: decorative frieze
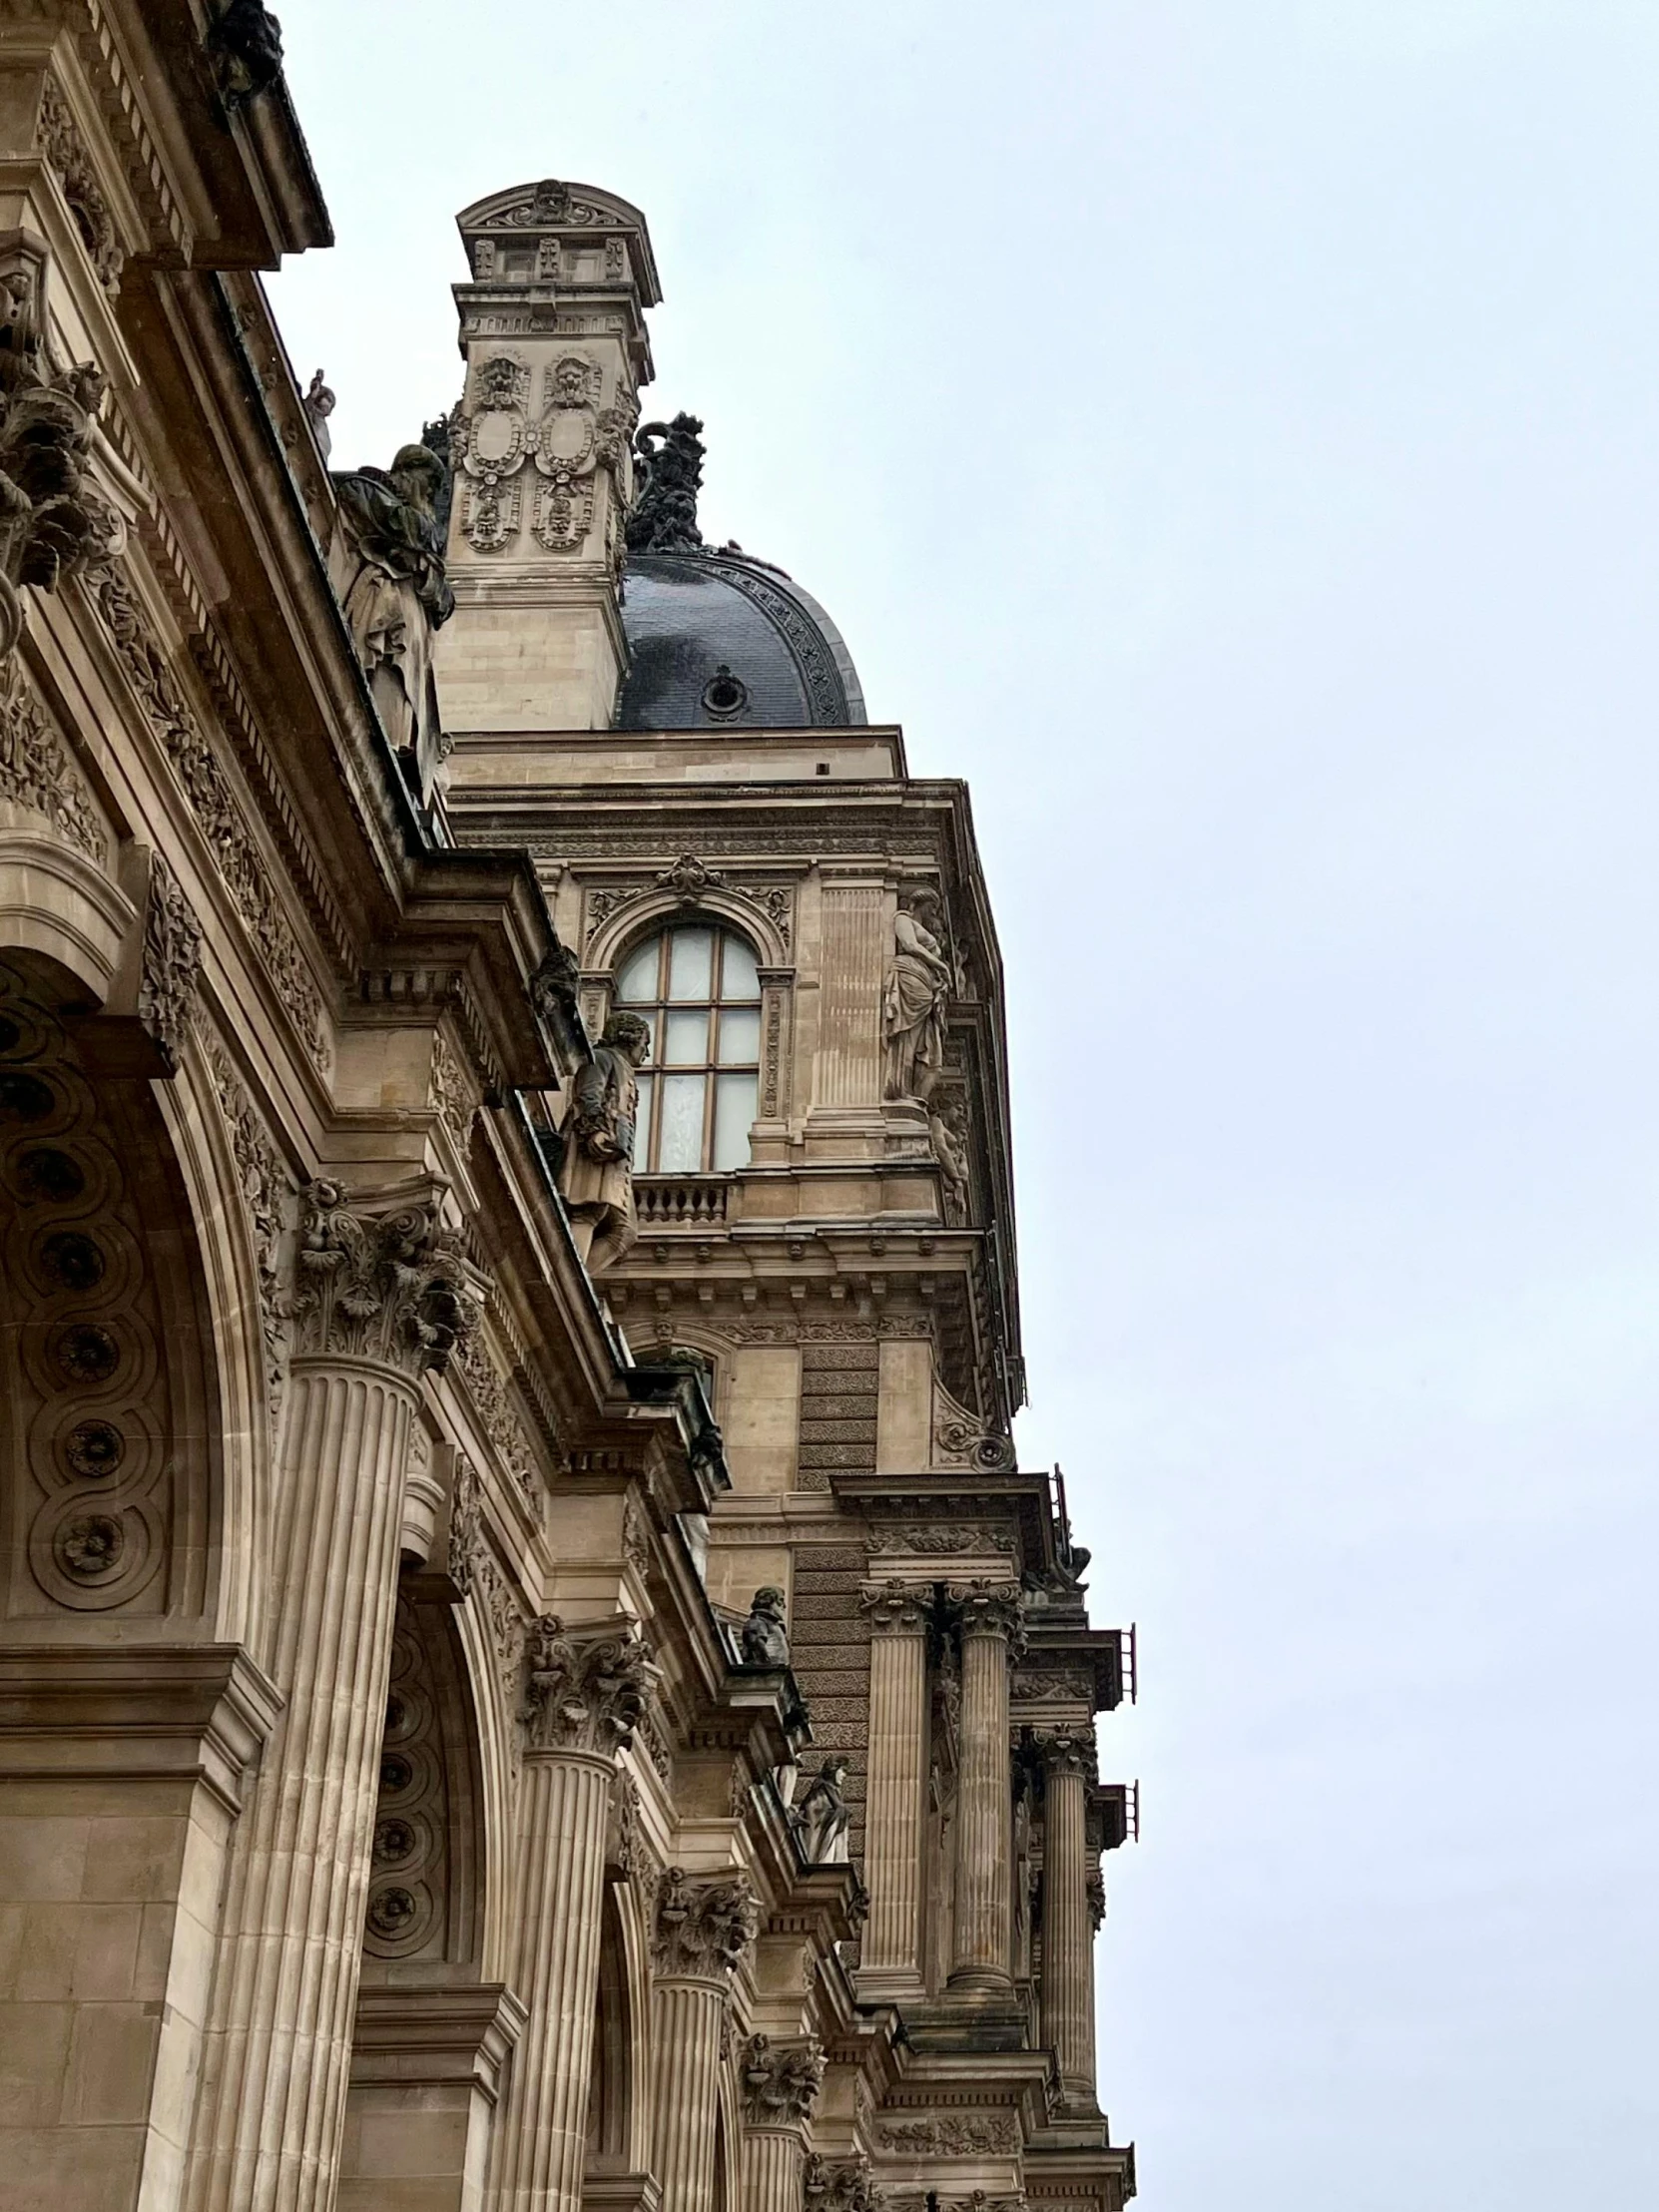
(951, 2135)
(585, 1692)
(503, 1424)
(949, 1541)
(65, 154)
(690, 881)
(466, 1512)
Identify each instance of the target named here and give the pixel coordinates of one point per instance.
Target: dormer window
(698, 989)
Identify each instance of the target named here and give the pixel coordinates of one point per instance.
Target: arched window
(698, 989)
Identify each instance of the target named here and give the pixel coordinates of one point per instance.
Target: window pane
(637, 977)
(737, 978)
(642, 1127)
(685, 1039)
(740, 1037)
(733, 1111)
(690, 963)
(680, 1147)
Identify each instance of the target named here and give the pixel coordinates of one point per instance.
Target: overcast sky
(1227, 432)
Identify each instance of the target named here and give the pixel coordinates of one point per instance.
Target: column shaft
(1068, 1938)
(771, 2171)
(542, 2131)
(273, 2097)
(688, 2015)
(897, 1803)
(983, 1920)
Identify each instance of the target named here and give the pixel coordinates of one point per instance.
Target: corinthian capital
(990, 1609)
(702, 1927)
(586, 1692)
(1067, 1751)
(896, 1608)
(385, 1284)
(780, 2081)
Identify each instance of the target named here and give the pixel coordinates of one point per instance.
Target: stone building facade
(532, 1675)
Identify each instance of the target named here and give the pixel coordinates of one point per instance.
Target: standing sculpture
(395, 596)
(596, 1175)
(668, 469)
(919, 989)
(821, 1820)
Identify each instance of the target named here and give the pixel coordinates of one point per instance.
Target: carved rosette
(896, 1608)
(780, 2081)
(990, 1609)
(587, 1691)
(392, 1288)
(704, 1929)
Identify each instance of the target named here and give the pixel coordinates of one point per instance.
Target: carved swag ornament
(585, 1692)
(702, 1927)
(392, 1287)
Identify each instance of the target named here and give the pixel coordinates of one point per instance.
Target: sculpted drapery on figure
(822, 1819)
(398, 595)
(596, 1176)
(918, 988)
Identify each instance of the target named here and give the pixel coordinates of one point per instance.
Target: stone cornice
(134, 1712)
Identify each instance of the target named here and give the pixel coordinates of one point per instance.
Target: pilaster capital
(990, 1609)
(704, 1929)
(1067, 1751)
(896, 1608)
(780, 2081)
(586, 1691)
(383, 1277)
(841, 2186)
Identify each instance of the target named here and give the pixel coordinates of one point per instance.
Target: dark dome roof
(717, 639)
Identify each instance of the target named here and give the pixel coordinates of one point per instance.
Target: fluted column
(378, 1297)
(703, 1930)
(584, 1696)
(1068, 1933)
(779, 2083)
(895, 1802)
(991, 1615)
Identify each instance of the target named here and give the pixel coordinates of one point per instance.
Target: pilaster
(890, 1964)
(704, 1931)
(983, 1928)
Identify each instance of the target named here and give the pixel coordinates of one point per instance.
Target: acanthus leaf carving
(951, 2135)
(266, 1191)
(703, 1927)
(839, 2185)
(392, 1286)
(172, 963)
(780, 2081)
(217, 813)
(36, 770)
(65, 154)
(988, 1608)
(585, 1690)
(466, 1514)
(51, 519)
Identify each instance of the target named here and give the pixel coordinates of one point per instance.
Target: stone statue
(919, 989)
(395, 595)
(764, 1639)
(945, 1127)
(596, 1175)
(821, 1820)
(320, 405)
(668, 477)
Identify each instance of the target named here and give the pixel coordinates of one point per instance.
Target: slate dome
(720, 639)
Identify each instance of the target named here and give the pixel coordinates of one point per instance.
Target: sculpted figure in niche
(821, 1820)
(596, 1175)
(395, 595)
(764, 1639)
(918, 990)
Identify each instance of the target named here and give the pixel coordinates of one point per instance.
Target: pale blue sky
(1227, 432)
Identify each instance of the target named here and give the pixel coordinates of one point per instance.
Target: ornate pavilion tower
(531, 1678)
